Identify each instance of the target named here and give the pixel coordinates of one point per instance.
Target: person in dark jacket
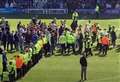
(19, 26)
(53, 41)
(0, 35)
(113, 37)
(16, 37)
(7, 27)
(28, 37)
(80, 40)
(4, 39)
(61, 29)
(74, 25)
(34, 37)
(10, 41)
(4, 59)
(83, 63)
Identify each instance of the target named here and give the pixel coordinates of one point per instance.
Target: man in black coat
(10, 41)
(113, 37)
(4, 39)
(16, 37)
(83, 63)
(80, 40)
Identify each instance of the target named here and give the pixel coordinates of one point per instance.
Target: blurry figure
(71, 39)
(74, 25)
(88, 46)
(19, 64)
(94, 33)
(83, 63)
(1, 65)
(21, 42)
(80, 40)
(10, 41)
(62, 42)
(34, 20)
(28, 37)
(16, 41)
(113, 37)
(4, 59)
(105, 44)
(19, 25)
(99, 45)
(97, 10)
(12, 70)
(75, 16)
(4, 39)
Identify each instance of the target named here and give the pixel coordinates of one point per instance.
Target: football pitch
(67, 68)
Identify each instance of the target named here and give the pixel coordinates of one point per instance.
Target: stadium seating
(61, 3)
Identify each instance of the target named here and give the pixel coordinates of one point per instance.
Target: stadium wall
(58, 13)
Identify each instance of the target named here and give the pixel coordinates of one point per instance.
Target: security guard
(70, 42)
(97, 10)
(105, 43)
(62, 42)
(88, 45)
(25, 61)
(12, 70)
(19, 65)
(75, 16)
(46, 45)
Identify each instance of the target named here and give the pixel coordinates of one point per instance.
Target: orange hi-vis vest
(105, 40)
(19, 62)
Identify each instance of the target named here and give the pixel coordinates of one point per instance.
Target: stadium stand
(84, 7)
(61, 3)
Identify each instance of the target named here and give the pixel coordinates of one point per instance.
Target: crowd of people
(37, 39)
(70, 4)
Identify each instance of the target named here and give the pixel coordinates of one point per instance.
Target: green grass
(103, 23)
(67, 68)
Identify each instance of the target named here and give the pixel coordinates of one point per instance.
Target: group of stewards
(19, 65)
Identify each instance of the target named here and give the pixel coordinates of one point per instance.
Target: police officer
(88, 45)
(71, 39)
(62, 42)
(83, 63)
